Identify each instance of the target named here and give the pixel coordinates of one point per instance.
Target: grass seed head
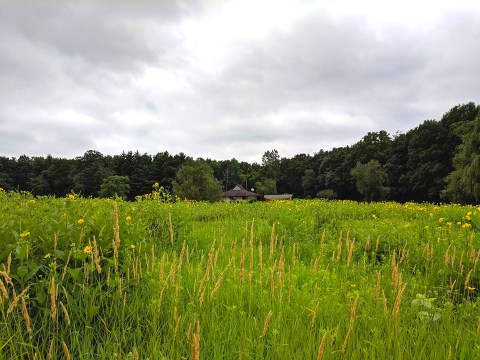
(266, 323)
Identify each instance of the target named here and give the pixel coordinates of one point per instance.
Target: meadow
(305, 279)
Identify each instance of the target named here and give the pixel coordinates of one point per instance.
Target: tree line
(438, 161)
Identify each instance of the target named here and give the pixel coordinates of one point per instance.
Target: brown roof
(278, 197)
(239, 191)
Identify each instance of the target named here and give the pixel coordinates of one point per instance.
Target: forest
(438, 161)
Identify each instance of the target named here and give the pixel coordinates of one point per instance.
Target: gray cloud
(117, 76)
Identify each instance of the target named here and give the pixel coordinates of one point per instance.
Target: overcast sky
(224, 79)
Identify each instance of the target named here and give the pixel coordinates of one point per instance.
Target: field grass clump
(166, 279)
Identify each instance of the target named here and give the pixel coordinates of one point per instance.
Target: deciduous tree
(195, 181)
(115, 185)
(370, 179)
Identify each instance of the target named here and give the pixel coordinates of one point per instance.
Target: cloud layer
(224, 79)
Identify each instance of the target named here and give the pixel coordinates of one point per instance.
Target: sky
(228, 79)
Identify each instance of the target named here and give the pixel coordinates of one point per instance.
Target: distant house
(278, 197)
(237, 194)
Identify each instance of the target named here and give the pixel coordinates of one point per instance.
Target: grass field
(92, 279)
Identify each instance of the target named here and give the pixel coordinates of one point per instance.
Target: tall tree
(115, 185)
(138, 168)
(271, 164)
(89, 172)
(373, 146)
(370, 179)
(429, 160)
(397, 168)
(463, 184)
(195, 181)
(334, 172)
(291, 173)
(165, 166)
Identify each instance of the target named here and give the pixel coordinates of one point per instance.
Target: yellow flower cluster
(87, 249)
(25, 234)
(80, 221)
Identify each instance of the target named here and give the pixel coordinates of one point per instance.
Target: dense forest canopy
(437, 161)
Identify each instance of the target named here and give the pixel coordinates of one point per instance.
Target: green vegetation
(437, 161)
(370, 179)
(195, 181)
(105, 279)
(464, 181)
(114, 186)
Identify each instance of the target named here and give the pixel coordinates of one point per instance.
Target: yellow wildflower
(87, 249)
(156, 185)
(132, 246)
(80, 221)
(466, 225)
(441, 220)
(32, 201)
(47, 256)
(469, 288)
(467, 217)
(25, 233)
(71, 197)
(128, 218)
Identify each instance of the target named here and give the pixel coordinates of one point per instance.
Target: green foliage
(115, 186)
(89, 173)
(327, 194)
(370, 179)
(266, 187)
(195, 181)
(104, 279)
(271, 164)
(309, 182)
(416, 162)
(6, 182)
(463, 184)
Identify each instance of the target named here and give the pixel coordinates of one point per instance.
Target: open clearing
(90, 278)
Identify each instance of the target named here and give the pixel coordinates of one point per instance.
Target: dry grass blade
(219, 282)
(353, 311)
(66, 352)
(65, 313)
(398, 301)
(16, 299)
(266, 323)
(53, 300)
(3, 290)
(26, 317)
(196, 343)
(321, 348)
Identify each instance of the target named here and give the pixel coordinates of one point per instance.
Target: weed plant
(166, 279)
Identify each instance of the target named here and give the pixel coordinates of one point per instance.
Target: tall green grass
(89, 279)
